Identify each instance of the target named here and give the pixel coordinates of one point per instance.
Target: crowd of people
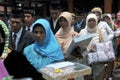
(28, 43)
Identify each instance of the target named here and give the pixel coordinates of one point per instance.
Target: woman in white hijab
(91, 25)
(99, 35)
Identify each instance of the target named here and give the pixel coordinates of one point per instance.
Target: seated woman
(13, 63)
(45, 49)
(65, 34)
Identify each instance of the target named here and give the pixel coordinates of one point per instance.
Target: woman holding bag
(99, 36)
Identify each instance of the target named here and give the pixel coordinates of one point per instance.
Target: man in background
(19, 37)
(80, 21)
(55, 10)
(29, 18)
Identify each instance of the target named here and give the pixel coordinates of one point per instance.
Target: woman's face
(118, 18)
(107, 19)
(98, 15)
(63, 22)
(91, 23)
(39, 34)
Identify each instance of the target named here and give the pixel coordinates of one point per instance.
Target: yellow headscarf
(97, 9)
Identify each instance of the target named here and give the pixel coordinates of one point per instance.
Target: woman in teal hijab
(45, 49)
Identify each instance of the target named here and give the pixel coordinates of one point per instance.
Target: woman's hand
(92, 48)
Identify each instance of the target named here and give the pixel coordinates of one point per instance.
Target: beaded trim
(7, 33)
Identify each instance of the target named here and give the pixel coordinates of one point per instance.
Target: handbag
(104, 51)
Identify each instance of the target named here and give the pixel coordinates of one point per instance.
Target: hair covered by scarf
(46, 52)
(97, 9)
(111, 23)
(45, 47)
(64, 36)
(67, 16)
(91, 16)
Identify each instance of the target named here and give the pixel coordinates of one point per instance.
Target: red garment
(117, 24)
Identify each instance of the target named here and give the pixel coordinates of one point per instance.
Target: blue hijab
(50, 45)
(49, 50)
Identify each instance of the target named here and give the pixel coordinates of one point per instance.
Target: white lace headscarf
(93, 16)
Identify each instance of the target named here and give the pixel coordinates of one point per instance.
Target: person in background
(19, 37)
(113, 17)
(64, 37)
(65, 34)
(102, 24)
(118, 28)
(80, 21)
(29, 18)
(118, 21)
(55, 10)
(108, 18)
(73, 20)
(98, 37)
(92, 28)
(45, 50)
